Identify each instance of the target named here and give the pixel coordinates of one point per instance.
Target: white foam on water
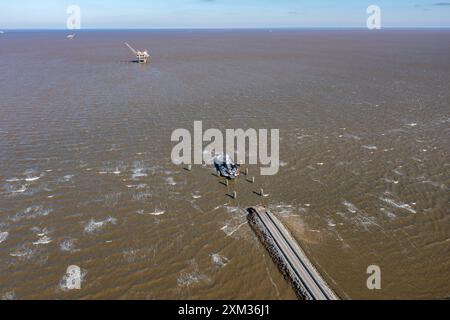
(231, 209)
(93, 225)
(219, 260)
(196, 195)
(138, 170)
(157, 213)
(32, 212)
(66, 178)
(350, 206)
(30, 179)
(14, 190)
(398, 205)
(186, 279)
(3, 236)
(370, 147)
(142, 196)
(303, 136)
(284, 210)
(22, 189)
(137, 186)
(40, 232)
(229, 230)
(129, 255)
(350, 136)
(170, 181)
(10, 295)
(68, 245)
(391, 181)
(389, 213)
(331, 223)
(23, 252)
(12, 180)
(154, 213)
(43, 240)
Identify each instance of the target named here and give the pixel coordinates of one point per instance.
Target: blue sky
(52, 14)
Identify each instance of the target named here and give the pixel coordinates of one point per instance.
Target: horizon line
(218, 28)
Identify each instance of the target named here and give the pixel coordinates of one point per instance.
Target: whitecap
(350, 206)
(43, 240)
(399, 205)
(67, 178)
(370, 147)
(170, 181)
(388, 213)
(30, 179)
(138, 170)
(67, 245)
(93, 226)
(154, 213)
(196, 195)
(22, 189)
(219, 260)
(32, 212)
(350, 136)
(23, 252)
(157, 213)
(3, 236)
(9, 296)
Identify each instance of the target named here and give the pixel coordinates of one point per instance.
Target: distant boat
(71, 36)
(226, 167)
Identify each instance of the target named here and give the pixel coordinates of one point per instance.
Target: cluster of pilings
(226, 182)
(251, 180)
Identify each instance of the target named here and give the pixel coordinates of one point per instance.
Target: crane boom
(131, 48)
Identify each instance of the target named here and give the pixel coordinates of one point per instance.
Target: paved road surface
(313, 284)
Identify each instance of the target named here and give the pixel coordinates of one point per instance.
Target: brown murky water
(86, 176)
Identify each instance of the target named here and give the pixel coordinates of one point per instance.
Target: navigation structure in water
(226, 167)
